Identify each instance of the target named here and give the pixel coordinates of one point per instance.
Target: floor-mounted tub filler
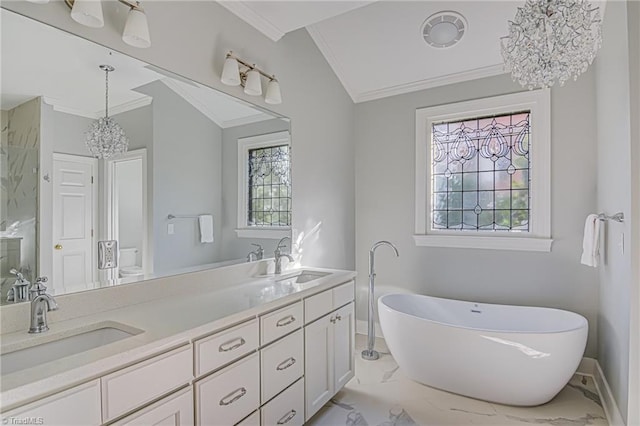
(513, 355)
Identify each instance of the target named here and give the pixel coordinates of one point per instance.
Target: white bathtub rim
(582, 319)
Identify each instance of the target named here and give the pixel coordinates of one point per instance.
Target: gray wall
(192, 37)
(234, 247)
(385, 173)
(614, 195)
(187, 160)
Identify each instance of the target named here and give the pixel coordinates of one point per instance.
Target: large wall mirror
(199, 163)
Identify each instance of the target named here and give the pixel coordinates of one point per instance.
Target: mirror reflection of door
(127, 214)
(74, 216)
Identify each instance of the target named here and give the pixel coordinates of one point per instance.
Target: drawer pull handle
(338, 317)
(285, 321)
(240, 393)
(287, 418)
(333, 320)
(224, 348)
(286, 364)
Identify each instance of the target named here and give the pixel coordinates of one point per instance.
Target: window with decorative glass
(483, 173)
(264, 201)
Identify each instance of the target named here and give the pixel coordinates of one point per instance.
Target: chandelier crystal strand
(105, 137)
(551, 40)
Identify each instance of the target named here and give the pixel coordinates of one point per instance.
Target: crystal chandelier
(105, 137)
(551, 40)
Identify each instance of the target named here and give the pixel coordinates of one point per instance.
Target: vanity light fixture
(136, 28)
(105, 137)
(249, 78)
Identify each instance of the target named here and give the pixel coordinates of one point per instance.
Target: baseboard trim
(591, 367)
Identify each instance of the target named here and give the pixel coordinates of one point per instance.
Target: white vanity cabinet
(76, 406)
(329, 345)
(277, 367)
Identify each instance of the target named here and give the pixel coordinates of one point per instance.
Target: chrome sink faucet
(278, 255)
(257, 254)
(40, 298)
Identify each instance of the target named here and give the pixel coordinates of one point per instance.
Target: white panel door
(343, 346)
(73, 223)
(318, 345)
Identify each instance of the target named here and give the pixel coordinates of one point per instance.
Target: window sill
(490, 243)
(266, 233)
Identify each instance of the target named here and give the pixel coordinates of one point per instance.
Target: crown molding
(244, 12)
(94, 115)
(488, 71)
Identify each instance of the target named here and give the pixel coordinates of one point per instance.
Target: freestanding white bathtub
(513, 355)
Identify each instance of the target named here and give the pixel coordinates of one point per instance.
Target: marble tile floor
(380, 395)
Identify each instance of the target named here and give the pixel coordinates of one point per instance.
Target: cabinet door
(76, 406)
(318, 345)
(343, 346)
(174, 410)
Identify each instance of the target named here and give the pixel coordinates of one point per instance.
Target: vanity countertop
(166, 323)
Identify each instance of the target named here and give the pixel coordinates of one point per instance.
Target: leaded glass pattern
(480, 173)
(269, 186)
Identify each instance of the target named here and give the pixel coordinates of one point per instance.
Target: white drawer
(229, 395)
(281, 364)
(174, 410)
(317, 306)
(281, 322)
(77, 406)
(221, 348)
(252, 420)
(343, 294)
(134, 386)
(287, 408)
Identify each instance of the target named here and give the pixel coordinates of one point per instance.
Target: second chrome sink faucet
(40, 298)
(278, 255)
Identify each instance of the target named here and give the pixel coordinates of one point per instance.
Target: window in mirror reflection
(265, 188)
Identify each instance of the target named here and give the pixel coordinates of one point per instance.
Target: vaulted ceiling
(376, 48)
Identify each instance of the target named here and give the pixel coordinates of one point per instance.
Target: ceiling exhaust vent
(444, 29)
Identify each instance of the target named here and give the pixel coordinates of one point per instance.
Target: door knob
(58, 247)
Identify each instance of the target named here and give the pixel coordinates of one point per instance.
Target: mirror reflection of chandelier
(551, 40)
(105, 137)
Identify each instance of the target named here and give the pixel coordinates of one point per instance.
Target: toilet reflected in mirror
(127, 214)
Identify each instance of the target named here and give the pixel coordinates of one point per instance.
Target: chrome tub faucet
(39, 300)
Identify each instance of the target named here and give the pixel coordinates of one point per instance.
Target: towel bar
(618, 217)
(182, 216)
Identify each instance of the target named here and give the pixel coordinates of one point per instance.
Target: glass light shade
(105, 138)
(230, 72)
(550, 42)
(253, 85)
(88, 13)
(136, 29)
(273, 96)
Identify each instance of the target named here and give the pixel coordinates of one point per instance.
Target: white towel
(591, 241)
(206, 228)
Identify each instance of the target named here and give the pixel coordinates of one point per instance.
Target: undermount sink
(32, 356)
(304, 276)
